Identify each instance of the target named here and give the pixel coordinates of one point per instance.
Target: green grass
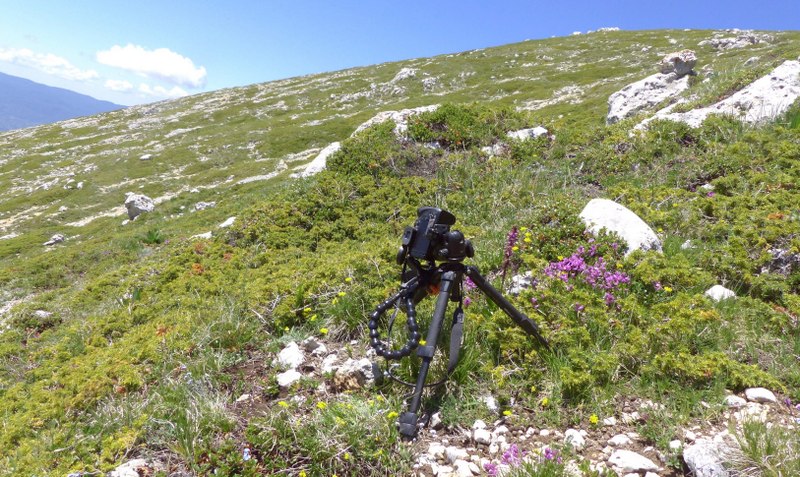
(153, 335)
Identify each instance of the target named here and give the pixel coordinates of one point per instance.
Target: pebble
(620, 440)
(735, 401)
(482, 436)
(455, 453)
(610, 421)
(629, 461)
(574, 438)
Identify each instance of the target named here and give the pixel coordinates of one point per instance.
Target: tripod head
(431, 239)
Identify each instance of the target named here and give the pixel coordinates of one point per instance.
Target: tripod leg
(528, 325)
(408, 420)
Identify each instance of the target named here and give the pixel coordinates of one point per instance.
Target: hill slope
(141, 339)
(24, 103)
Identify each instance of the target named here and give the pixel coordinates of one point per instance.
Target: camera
(430, 238)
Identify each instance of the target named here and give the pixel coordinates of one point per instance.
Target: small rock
(574, 438)
(329, 363)
(436, 450)
(675, 445)
(651, 474)
(243, 398)
(204, 205)
(479, 424)
(205, 235)
(436, 420)
(530, 133)
(719, 293)
(630, 417)
(610, 421)
(620, 440)
(629, 461)
(760, 395)
(705, 458)
(291, 356)
(690, 436)
(228, 222)
(286, 379)
(145, 157)
(42, 314)
(353, 374)
(57, 238)
(482, 436)
(544, 433)
(462, 468)
(735, 401)
(453, 454)
(131, 469)
(490, 402)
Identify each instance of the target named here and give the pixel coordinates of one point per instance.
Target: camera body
(431, 239)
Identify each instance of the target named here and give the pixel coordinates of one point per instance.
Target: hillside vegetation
(138, 339)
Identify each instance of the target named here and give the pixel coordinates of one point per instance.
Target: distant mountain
(24, 103)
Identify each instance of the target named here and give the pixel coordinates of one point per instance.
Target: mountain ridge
(25, 103)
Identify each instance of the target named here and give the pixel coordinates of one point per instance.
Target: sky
(136, 52)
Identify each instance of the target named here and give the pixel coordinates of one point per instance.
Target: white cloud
(46, 62)
(119, 85)
(161, 92)
(159, 63)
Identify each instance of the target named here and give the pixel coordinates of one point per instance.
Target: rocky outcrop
(400, 119)
(763, 100)
(671, 81)
(741, 40)
(320, 162)
(606, 214)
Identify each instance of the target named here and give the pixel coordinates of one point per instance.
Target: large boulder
(606, 214)
(705, 457)
(680, 63)
(137, 204)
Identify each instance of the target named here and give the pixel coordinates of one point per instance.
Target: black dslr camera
(431, 238)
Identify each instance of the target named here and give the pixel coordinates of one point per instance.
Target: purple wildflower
(469, 284)
(511, 241)
(609, 298)
(710, 194)
(467, 301)
(512, 456)
(550, 454)
(491, 469)
(579, 307)
(788, 402)
(535, 302)
(657, 286)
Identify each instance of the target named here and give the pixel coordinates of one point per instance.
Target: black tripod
(445, 281)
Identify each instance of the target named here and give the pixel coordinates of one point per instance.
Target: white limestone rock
(400, 119)
(525, 134)
(55, 239)
(629, 461)
(574, 438)
(453, 453)
(760, 395)
(763, 100)
(620, 440)
(291, 356)
(680, 63)
(705, 457)
(228, 222)
(131, 469)
(320, 162)
(734, 401)
(136, 204)
(353, 374)
(482, 436)
(606, 214)
(644, 94)
(719, 293)
(287, 378)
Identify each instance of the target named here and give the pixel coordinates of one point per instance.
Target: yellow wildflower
(321, 405)
(593, 419)
(507, 412)
(283, 404)
(324, 331)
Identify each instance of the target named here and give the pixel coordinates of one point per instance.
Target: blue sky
(144, 51)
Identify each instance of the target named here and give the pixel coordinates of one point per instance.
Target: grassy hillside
(137, 340)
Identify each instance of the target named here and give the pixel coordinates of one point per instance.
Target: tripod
(445, 281)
